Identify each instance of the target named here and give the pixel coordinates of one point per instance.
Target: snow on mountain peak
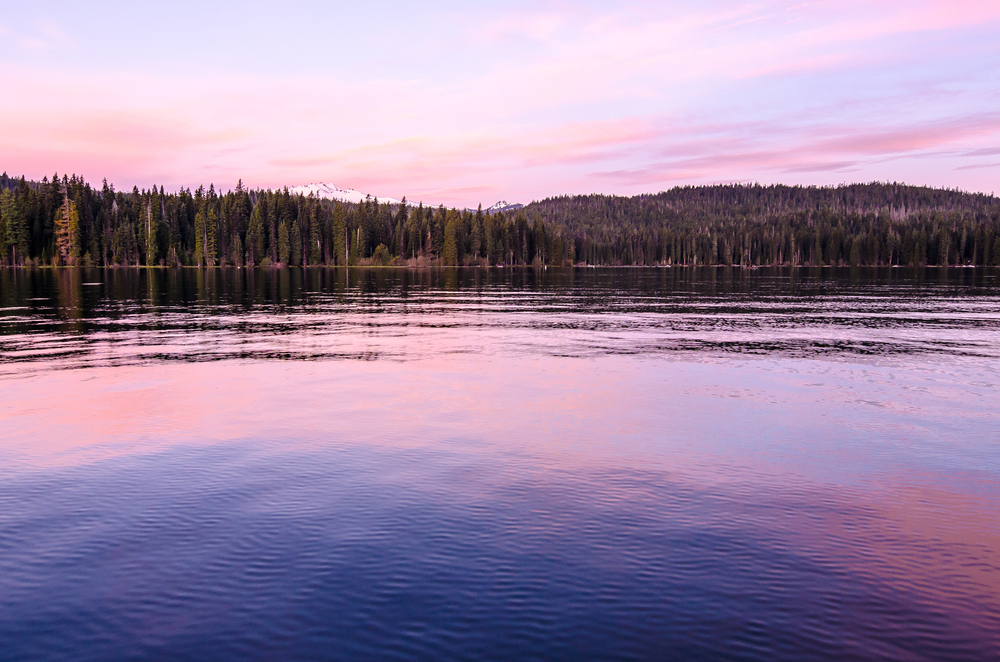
(503, 205)
(332, 192)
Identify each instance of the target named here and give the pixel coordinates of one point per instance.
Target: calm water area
(475, 464)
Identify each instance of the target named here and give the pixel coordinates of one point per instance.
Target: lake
(486, 464)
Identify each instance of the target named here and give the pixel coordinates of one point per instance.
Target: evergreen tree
(449, 254)
(340, 234)
(296, 255)
(856, 252)
(3, 222)
(67, 225)
(272, 230)
(237, 251)
(255, 236)
(284, 246)
(491, 244)
(415, 233)
(16, 238)
(440, 220)
(944, 246)
(210, 250)
(150, 236)
(315, 244)
(200, 236)
(476, 234)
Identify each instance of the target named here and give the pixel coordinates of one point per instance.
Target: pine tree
(237, 251)
(199, 239)
(296, 256)
(315, 243)
(449, 253)
(211, 222)
(255, 236)
(283, 244)
(272, 231)
(16, 238)
(437, 231)
(150, 236)
(339, 234)
(476, 235)
(3, 226)
(944, 245)
(491, 243)
(67, 229)
(416, 222)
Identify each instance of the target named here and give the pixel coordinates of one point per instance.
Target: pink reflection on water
(836, 458)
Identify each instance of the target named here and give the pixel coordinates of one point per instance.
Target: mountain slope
(504, 206)
(353, 196)
(332, 192)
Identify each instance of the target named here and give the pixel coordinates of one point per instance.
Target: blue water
(472, 464)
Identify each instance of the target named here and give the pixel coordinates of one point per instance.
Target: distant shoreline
(67, 222)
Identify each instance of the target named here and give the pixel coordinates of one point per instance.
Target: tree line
(753, 225)
(65, 221)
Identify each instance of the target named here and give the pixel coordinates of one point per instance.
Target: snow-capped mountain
(503, 205)
(331, 192)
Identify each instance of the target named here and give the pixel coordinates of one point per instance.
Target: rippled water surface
(500, 464)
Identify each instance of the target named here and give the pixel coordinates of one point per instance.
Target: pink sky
(463, 105)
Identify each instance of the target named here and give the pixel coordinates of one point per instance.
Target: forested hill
(65, 221)
(874, 224)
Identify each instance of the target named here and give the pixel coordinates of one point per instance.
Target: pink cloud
(629, 98)
(979, 166)
(926, 135)
(41, 36)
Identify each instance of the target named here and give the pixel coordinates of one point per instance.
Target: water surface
(492, 464)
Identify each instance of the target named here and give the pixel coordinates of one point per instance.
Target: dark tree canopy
(874, 224)
(65, 221)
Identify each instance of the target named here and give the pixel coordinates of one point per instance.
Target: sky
(463, 103)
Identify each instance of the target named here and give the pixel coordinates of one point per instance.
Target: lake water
(500, 464)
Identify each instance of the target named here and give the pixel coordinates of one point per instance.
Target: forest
(751, 225)
(63, 221)
(66, 222)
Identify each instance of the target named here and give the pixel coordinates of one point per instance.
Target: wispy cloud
(979, 166)
(38, 36)
(984, 151)
(526, 102)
